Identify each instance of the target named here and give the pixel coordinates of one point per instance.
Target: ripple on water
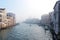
(24, 32)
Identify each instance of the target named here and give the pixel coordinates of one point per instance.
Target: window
(0, 20)
(8, 17)
(55, 15)
(0, 11)
(59, 7)
(0, 15)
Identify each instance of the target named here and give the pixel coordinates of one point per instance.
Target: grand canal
(25, 32)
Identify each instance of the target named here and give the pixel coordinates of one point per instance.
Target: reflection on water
(25, 32)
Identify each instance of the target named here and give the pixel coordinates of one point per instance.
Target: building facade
(45, 20)
(6, 19)
(57, 17)
(2, 17)
(11, 19)
(51, 16)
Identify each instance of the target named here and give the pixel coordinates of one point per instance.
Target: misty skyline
(24, 9)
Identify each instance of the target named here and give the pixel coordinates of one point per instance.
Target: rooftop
(2, 8)
(56, 3)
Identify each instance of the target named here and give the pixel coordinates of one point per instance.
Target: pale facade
(2, 17)
(6, 19)
(45, 20)
(11, 19)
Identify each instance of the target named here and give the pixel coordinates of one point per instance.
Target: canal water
(25, 32)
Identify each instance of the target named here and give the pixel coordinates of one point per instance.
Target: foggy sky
(28, 8)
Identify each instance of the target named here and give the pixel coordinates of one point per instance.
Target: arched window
(0, 15)
(0, 11)
(0, 20)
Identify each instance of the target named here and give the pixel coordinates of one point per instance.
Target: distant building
(32, 21)
(45, 20)
(11, 19)
(52, 20)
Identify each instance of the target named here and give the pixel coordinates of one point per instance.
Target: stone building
(2, 17)
(57, 18)
(45, 20)
(11, 19)
(52, 20)
(6, 19)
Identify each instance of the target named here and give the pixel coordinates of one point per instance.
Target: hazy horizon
(28, 8)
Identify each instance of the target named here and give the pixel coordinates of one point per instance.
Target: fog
(24, 9)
